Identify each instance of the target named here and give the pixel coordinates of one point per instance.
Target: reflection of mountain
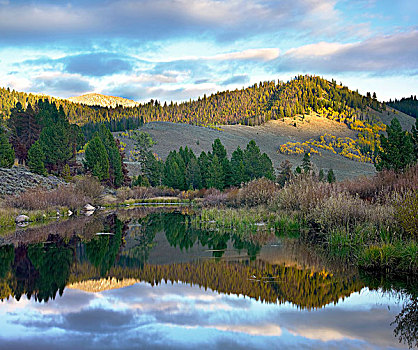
(162, 247)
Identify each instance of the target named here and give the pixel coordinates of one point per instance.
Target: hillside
(268, 137)
(254, 105)
(103, 100)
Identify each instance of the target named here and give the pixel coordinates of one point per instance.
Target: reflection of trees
(407, 324)
(103, 250)
(41, 269)
(271, 283)
(52, 262)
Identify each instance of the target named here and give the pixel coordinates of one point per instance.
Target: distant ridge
(103, 100)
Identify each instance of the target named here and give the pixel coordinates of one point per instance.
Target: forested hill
(408, 105)
(250, 106)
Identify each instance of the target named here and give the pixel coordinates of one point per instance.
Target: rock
(89, 212)
(18, 179)
(89, 207)
(21, 218)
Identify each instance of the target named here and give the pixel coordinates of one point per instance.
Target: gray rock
(21, 218)
(89, 207)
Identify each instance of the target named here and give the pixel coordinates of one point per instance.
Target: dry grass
(257, 192)
(40, 199)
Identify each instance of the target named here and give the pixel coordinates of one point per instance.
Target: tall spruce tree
(306, 163)
(204, 165)
(96, 159)
(237, 167)
(7, 154)
(36, 159)
(216, 174)
(331, 176)
(116, 176)
(397, 149)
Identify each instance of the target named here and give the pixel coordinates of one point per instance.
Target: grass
(8, 216)
(247, 221)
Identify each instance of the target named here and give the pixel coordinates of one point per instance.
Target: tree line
(253, 105)
(408, 105)
(183, 170)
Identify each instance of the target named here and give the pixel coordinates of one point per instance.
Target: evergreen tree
(306, 163)
(36, 159)
(216, 174)
(193, 177)
(96, 159)
(267, 167)
(397, 149)
(331, 176)
(204, 165)
(7, 154)
(116, 176)
(237, 167)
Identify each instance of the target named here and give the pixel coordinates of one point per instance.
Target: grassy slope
(170, 136)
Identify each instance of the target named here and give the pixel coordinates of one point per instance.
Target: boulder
(21, 218)
(89, 207)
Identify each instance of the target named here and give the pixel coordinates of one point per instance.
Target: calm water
(160, 281)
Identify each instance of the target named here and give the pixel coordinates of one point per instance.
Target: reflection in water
(167, 247)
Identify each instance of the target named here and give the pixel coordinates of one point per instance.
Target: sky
(174, 50)
(181, 316)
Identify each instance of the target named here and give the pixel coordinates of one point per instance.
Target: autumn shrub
(303, 193)
(343, 210)
(41, 199)
(382, 186)
(407, 213)
(258, 192)
(89, 186)
(125, 193)
(213, 197)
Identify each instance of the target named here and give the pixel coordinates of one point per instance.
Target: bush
(258, 192)
(89, 186)
(407, 213)
(41, 199)
(303, 193)
(343, 210)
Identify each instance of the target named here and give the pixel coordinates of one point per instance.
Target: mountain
(103, 100)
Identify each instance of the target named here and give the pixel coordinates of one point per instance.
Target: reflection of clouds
(181, 316)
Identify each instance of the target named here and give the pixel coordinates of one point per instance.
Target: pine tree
(193, 177)
(397, 149)
(7, 154)
(115, 160)
(204, 165)
(216, 174)
(36, 159)
(331, 176)
(237, 167)
(96, 159)
(306, 163)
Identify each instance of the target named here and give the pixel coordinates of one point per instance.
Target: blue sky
(180, 49)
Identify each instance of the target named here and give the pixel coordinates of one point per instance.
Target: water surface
(159, 281)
